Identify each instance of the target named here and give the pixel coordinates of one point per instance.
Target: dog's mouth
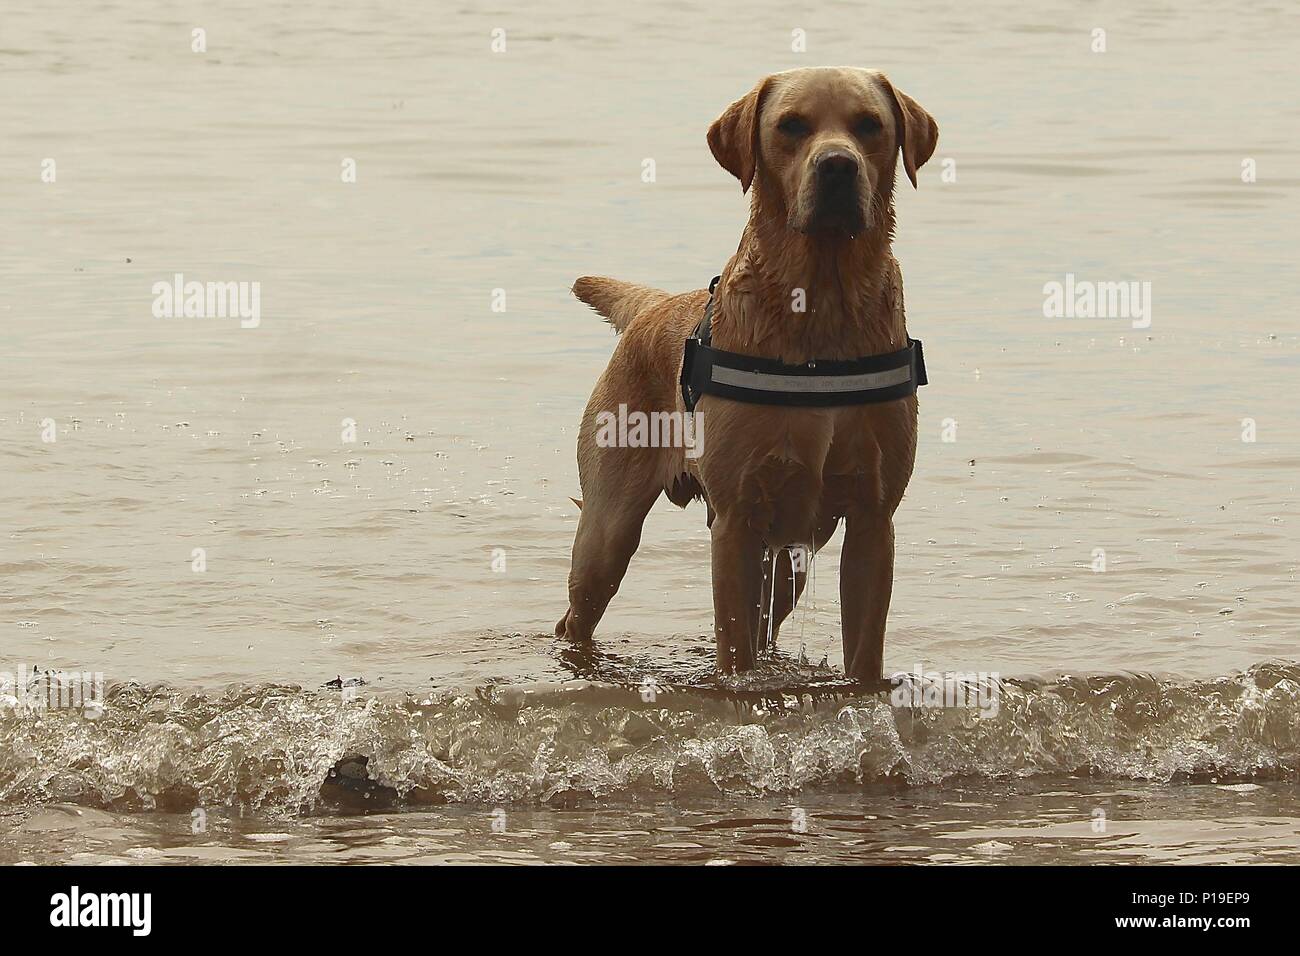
(848, 221)
(833, 211)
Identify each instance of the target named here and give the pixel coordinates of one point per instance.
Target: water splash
(272, 747)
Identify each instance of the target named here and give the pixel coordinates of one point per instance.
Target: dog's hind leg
(615, 503)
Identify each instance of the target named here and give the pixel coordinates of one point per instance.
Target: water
(1142, 691)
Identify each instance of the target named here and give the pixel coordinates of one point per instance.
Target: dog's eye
(794, 126)
(868, 126)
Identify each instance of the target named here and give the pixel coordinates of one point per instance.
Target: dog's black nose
(836, 169)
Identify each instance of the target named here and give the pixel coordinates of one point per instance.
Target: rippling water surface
(1159, 692)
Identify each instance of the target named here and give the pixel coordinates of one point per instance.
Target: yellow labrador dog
(806, 402)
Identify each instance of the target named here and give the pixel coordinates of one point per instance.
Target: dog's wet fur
(816, 149)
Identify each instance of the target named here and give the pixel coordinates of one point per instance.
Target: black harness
(817, 384)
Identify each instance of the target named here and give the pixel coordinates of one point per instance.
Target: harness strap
(816, 384)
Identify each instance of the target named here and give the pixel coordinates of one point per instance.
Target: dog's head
(824, 142)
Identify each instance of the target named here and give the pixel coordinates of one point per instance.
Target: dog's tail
(619, 302)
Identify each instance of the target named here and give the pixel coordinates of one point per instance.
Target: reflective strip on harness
(763, 382)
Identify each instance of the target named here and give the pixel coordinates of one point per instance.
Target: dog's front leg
(737, 587)
(866, 582)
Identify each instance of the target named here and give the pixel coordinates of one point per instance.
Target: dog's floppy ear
(918, 133)
(733, 137)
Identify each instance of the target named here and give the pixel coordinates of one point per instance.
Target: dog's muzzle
(837, 193)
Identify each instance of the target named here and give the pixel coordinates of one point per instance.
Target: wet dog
(812, 279)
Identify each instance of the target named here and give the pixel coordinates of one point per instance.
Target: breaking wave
(283, 748)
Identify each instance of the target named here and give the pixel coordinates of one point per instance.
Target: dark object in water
(338, 683)
(349, 785)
